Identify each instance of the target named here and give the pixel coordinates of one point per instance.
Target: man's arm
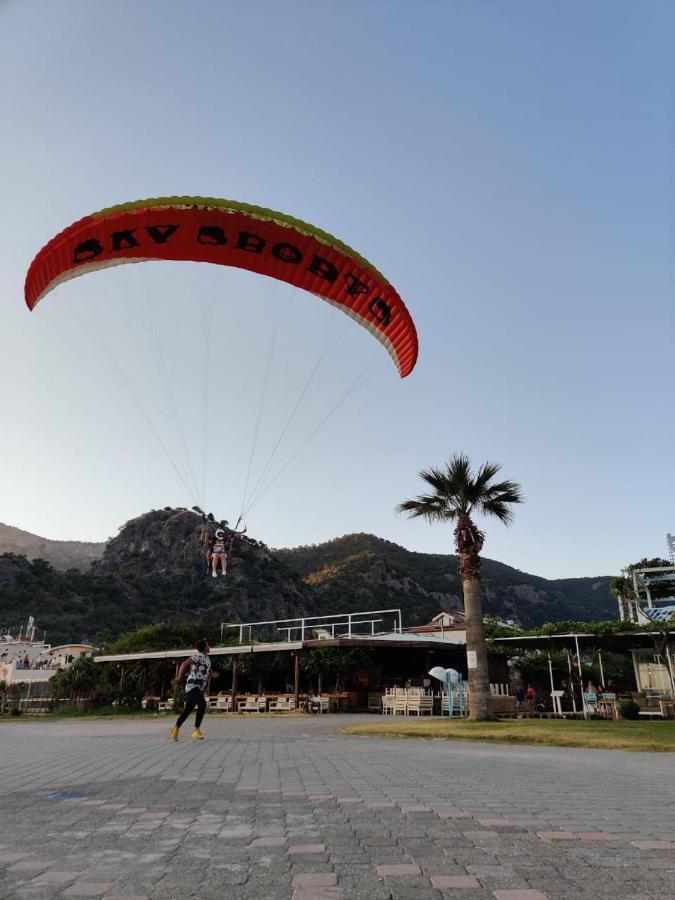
(185, 665)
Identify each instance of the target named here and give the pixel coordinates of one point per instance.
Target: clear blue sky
(508, 166)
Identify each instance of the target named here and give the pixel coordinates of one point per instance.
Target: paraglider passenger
(219, 550)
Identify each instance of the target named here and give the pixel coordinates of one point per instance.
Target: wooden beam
(297, 679)
(234, 683)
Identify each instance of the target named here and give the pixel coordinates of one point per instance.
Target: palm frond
(481, 482)
(436, 479)
(456, 490)
(498, 509)
(458, 474)
(427, 506)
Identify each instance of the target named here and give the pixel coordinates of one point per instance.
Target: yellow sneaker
(174, 733)
(197, 735)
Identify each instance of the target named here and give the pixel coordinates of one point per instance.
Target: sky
(507, 166)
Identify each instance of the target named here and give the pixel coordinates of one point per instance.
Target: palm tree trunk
(476, 652)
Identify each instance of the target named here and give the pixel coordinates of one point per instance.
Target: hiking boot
(197, 735)
(174, 733)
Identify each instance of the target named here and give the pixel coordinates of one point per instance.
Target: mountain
(154, 570)
(361, 571)
(59, 554)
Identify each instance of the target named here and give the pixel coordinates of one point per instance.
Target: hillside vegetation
(361, 571)
(153, 571)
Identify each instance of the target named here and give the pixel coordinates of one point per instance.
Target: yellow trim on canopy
(256, 212)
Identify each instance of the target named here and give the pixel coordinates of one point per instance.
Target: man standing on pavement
(197, 681)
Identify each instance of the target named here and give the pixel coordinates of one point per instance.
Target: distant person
(315, 703)
(520, 700)
(529, 697)
(199, 673)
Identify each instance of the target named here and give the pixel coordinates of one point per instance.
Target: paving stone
(398, 870)
(9, 857)
(315, 879)
(455, 882)
(520, 895)
(497, 823)
(52, 877)
(488, 871)
(406, 890)
(303, 849)
(365, 888)
(447, 814)
(654, 845)
(596, 836)
(317, 893)
(31, 865)
(87, 889)
(551, 836)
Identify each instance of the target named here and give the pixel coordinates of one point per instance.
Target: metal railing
(302, 623)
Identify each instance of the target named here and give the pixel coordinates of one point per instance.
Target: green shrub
(629, 709)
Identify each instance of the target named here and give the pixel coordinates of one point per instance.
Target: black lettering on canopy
(355, 285)
(251, 242)
(87, 250)
(286, 253)
(123, 240)
(323, 268)
(211, 234)
(161, 233)
(380, 310)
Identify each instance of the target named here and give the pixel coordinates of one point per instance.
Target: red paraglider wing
(230, 234)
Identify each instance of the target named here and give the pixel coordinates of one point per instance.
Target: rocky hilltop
(165, 546)
(152, 571)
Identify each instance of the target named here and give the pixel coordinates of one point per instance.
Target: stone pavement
(291, 809)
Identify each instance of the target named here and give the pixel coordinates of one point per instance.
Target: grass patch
(83, 712)
(599, 735)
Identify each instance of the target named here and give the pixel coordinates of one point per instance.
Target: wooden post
(234, 682)
(297, 679)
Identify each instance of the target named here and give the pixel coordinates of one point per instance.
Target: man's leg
(201, 709)
(191, 700)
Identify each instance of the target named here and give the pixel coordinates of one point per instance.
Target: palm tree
(457, 493)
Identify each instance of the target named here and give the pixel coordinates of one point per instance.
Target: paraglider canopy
(228, 233)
